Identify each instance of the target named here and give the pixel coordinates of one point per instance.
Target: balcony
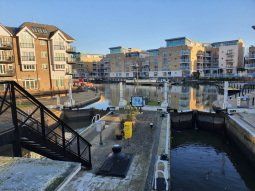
(185, 61)
(200, 61)
(215, 61)
(127, 64)
(134, 70)
(230, 66)
(185, 68)
(249, 66)
(28, 58)
(26, 45)
(200, 54)
(107, 66)
(59, 47)
(95, 67)
(107, 71)
(134, 64)
(207, 55)
(6, 46)
(229, 60)
(127, 70)
(155, 69)
(7, 60)
(70, 71)
(106, 59)
(230, 53)
(215, 55)
(8, 73)
(207, 62)
(145, 70)
(95, 63)
(71, 49)
(250, 57)
(215, 66)
(71, 60)
(186, 53)
(60, 59)
(145, 63)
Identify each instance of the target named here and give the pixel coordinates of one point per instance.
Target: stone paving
(142, 142)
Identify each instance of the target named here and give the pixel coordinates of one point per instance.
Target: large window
(42, 42)
(60, 81)
(169, 60)
(2, 69)
(164, 54)
(164, 61)
(28, 67)
(45, 66)
(44, 54)
(164, 68)
(60, 66)
(28, 56)
(154, 53)
(155, 68)
(155, 73)
(29, 84)
(26, 40)
(155, 61)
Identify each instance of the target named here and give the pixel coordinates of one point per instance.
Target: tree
(196, 74)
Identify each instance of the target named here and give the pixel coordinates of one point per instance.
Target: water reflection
(179, 97)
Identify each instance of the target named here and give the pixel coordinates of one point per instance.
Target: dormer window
(39, 30)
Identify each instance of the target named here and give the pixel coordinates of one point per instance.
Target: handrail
(44, 108)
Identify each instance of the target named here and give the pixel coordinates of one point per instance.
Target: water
(179, 97)
(204, 160)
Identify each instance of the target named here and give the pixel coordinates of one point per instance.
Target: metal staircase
(25, 122)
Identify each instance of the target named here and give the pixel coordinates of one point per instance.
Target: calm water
(204, 160)
(179, 97)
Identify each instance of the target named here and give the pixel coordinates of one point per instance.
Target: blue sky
(145, 24)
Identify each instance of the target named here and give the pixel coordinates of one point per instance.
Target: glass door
(1, 42)
(2, 69)
(2, 55)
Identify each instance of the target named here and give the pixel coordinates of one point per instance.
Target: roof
(177, 38)
(253, 27)
(223, 42)
(152, 50)
(117, 47)
(50, 28)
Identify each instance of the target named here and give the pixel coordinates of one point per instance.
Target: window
(28, 67)
(155, 73)
(28, 56)
(164, 54)
(170, 53)
(120, 74)
(44, 54)
(42, 42)
(169, 73)
(119, 58)
(169, 67)
(116, 74)
(127, 74)
(164, 73)
(176, 51)
(164, 68)
(164, 61)
(29, 84)
(169, 60)
(60, 66)
(10, 66)
(9, 54)
(2, 69)
(60, 81)
(155, 68)
(45, 66)
(155, 61)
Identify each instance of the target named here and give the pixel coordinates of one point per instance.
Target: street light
(137, 66)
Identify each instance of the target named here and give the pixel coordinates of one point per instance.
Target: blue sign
(137, 101)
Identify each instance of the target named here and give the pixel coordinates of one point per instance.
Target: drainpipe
(49, 60)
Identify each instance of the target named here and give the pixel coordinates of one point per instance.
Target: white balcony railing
(185, 61)
(249, 66)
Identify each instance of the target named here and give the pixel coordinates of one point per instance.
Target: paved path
(246, 119)
(142, 142)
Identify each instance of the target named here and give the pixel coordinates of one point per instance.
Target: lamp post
(137, 66)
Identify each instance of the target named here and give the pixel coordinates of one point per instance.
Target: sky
(144, 24)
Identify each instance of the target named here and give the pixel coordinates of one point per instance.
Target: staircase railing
(15, 101)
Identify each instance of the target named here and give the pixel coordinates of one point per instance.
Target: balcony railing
(134, 70)
(59, 47)
(145, 63)
(200, 61)
(250, 56)
(215, 61)
(127, 70)
(8, 73)
(249, 66)
(107, 71)
(26, 45)
(70, 49)
(60, 59)
(215, 55)
(155, 69)
(200, 54)
(215, 66)
(70, 71)
(207, 55)
(107, 66)
(95, 67)
(230, 66)
(185, 53)
(28, 58)
(145, 70)
(127, 64)
(134, 64)
(207, 62)
(185, 68)
(9, 59)
(107, 59)
(185, 61)
(6, 46)
(71, 60)
(230, 53)
(229, 60)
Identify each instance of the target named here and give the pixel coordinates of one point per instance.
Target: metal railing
(59, 47)
(145, 63)
(28, 58)
(26, 45)
(40, 125)
(8, 73)
(60, 59)
(185, 53)
(70, 49)
(229, 60)
(71, 60)
(6, 45)
(185, 61)
(250, 56)
(230, 53)
(7, 59)
(248, 66)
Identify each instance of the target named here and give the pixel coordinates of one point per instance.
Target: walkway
(246, 119)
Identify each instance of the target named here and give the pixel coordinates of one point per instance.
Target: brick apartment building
(36, 56)
(181, 57)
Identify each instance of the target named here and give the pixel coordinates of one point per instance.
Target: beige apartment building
(250, 61)
(36, 56)
(180, 58)
(89, 65)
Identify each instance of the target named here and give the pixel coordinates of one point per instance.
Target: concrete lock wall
(210, 121)
(242, 138)
(86, 114)
(182, 120)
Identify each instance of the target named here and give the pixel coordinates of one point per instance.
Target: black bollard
(240, 86)
(253, 101)
(245, 90)
(235, 95)
(239, 93)
(248, 90)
